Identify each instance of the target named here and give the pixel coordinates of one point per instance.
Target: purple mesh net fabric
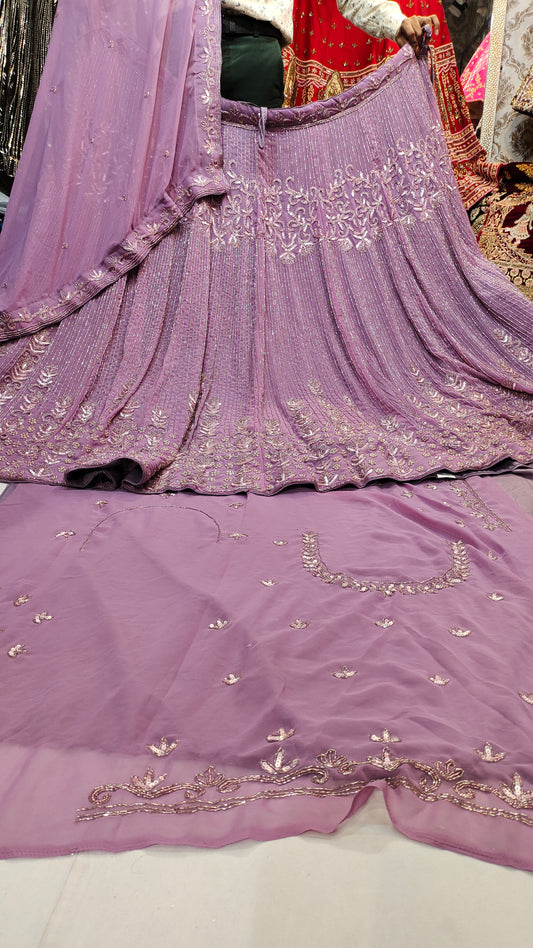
(328, 321)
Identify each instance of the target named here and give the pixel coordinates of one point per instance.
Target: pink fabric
(474, 77)
(330, 321)
(124, 136)
(202, 670)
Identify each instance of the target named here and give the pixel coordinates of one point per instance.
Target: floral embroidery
(518, 350)
(496, 597)
(281, 735)
(470, 498)
(66, 534)
(345, 672)
(385, 737)
(322, 443)
(488, 755)
(42, 617)
(329, 774)
(219, 624)
(384, 623)
(16, 650)
(231, 679)
(351, 210)
(237, 536)
(21, 600)
(457, 573)
(299, 624)
(526, 697)
(141, 240)
(280, 542)
(439, 680)
(269, 582)
(460, 633)
(278, 765)
(164, 748)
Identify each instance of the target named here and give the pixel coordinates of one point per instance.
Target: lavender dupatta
(125, 136)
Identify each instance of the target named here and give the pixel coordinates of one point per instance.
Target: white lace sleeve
(380, 18)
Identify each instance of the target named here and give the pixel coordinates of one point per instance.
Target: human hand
(411, 30)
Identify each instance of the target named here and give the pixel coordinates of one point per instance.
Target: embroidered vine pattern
(458, 572)
(350, 210)
(280, 777)
(469, 498)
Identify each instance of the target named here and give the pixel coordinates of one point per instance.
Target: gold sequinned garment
(25, 27)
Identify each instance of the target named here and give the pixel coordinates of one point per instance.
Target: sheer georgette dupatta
(125, 136)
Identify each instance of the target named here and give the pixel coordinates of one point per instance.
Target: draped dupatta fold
(124, 137)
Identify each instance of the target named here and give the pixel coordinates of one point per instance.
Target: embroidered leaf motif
(525, 697)
(237, 536)
(385, 761)
(219, 624)
(277, 765)
(496, 597)
(345, 672)
(235, 506)
(16, 650)
(280, 542)
(460, 633)
(385, 737)
(164, 748)
(21, 600)
(101, 503)
(488, 755)
(269, 582)
(299, 624)
(231, 679)
(457, 573)
(158, 418)
(449, 770)
(439, 680)
(281, 735)
(515, 793)
(66, 534)
(42, 617)
(384, 623)
(148, 781)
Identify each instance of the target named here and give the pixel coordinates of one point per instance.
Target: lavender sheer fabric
(328, 321)
(124, 137)
(184, 669)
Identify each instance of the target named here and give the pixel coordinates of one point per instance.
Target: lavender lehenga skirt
(329, 321)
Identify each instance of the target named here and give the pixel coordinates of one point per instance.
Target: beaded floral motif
(164, 748)
(329, 774)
